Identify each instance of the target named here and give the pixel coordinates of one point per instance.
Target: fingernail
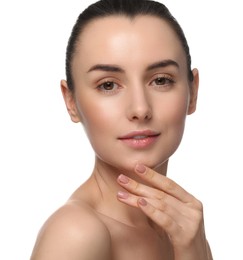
(142, 202)
(122, 195)
(123, 179)
(140, 168)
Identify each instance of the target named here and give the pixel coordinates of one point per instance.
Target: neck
(104, 183)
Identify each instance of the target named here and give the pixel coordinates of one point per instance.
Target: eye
(162, 82)
(108, 87)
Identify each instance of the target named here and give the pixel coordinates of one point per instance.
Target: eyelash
(111, 84)
(166, 83)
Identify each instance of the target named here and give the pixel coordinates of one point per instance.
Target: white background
(44, 157)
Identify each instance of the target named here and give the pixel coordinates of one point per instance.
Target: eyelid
(105, 79)
(101, 82)
(163, 75)
(167, 85)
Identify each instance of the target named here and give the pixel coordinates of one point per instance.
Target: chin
(155, 165)
(127, 164)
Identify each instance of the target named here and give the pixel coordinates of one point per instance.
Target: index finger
(163, 183)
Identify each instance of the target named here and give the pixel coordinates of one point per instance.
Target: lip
(140, 139)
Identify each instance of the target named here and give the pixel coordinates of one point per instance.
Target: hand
(171, 208)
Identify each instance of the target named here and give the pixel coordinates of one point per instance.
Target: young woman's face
(132, 93)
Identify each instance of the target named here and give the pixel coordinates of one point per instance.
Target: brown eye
(162, 81)
(108, 85)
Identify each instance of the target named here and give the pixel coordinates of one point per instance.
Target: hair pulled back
(130, 9)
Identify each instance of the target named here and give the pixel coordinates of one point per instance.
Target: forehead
(120, 39)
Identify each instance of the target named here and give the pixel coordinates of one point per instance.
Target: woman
(130, 84)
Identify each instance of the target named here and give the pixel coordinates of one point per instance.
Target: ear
(193, 92)
(69, 99)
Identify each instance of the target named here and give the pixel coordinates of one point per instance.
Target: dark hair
(129, 8)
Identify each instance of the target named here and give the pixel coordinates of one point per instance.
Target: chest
(130, 243)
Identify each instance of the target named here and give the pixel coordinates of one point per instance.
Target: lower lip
(140, 143)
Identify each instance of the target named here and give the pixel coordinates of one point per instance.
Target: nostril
(148, 116)
(139, 106)
(142, 115)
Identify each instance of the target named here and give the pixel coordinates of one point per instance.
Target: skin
(154, 218)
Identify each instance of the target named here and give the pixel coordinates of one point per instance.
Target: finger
(157, 198)
(163, 220)
(163, 183)
(127, 198)
(140, 189)
(174, 213)
(145, 191)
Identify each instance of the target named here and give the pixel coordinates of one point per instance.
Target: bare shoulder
(73, 232)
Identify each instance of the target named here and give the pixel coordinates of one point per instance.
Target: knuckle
(197, 217)
(136, 186)
(198, 205)
(163, 206)
(151, 174)
(169, 185)
(152, 212)
(168, 222)
(159, 195)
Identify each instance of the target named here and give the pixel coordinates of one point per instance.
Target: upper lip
(137, 133)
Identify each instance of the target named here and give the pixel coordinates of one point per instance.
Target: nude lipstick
(140, 139)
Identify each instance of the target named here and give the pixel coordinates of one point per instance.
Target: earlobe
(69, 101)
(193, 92)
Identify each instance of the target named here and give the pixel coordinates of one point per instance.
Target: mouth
(140, 139)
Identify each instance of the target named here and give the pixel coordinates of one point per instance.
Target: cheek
(172, 123)
(179, 111)
(98, 118)
(100, 124)
(173, 119)
(174, 109)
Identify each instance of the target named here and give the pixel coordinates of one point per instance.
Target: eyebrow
(106, 67)
(115, 68)
(162, 64)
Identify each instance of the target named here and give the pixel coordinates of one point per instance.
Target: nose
(139, 108)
